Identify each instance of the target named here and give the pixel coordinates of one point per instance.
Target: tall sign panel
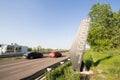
(78, 46)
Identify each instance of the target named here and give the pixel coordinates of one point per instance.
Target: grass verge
(11, 58)
(105, 64)
(63, 72)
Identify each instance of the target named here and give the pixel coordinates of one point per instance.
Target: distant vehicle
(32, 55)
(55, 54)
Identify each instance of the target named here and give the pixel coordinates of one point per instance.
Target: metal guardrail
(41, 72)
(11, 55)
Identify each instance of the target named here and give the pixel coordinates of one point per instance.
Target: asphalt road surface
(18, 69)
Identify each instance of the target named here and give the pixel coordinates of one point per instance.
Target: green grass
(63, 72)
(11, 58)
(105, 64)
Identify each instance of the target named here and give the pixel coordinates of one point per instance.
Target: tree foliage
(105, 27)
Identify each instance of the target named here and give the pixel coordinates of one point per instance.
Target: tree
(29, 49)
(105, 27)
(38, 48)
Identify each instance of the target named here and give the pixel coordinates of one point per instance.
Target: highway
(18, 69)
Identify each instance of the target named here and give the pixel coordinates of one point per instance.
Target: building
(12, 49)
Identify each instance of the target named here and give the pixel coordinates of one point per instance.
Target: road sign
(78, 46)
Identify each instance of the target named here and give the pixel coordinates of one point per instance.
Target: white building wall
(3, 49)
(24, 49)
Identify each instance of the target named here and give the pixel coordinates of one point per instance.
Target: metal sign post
(78, 46)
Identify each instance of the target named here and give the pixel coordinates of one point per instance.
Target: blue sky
(49, 23)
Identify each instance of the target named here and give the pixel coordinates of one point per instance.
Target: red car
(55, 54)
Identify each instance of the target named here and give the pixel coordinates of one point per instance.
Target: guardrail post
(62, 62)
(49, 69)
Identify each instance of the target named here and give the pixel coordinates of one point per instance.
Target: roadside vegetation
(105, 64)
(11, 58)
(46, 50)
(63, 72)
(104, 37)
(104, 33)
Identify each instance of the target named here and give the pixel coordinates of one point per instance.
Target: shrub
(64, 72)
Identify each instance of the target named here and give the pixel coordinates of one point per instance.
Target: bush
(64, 72)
